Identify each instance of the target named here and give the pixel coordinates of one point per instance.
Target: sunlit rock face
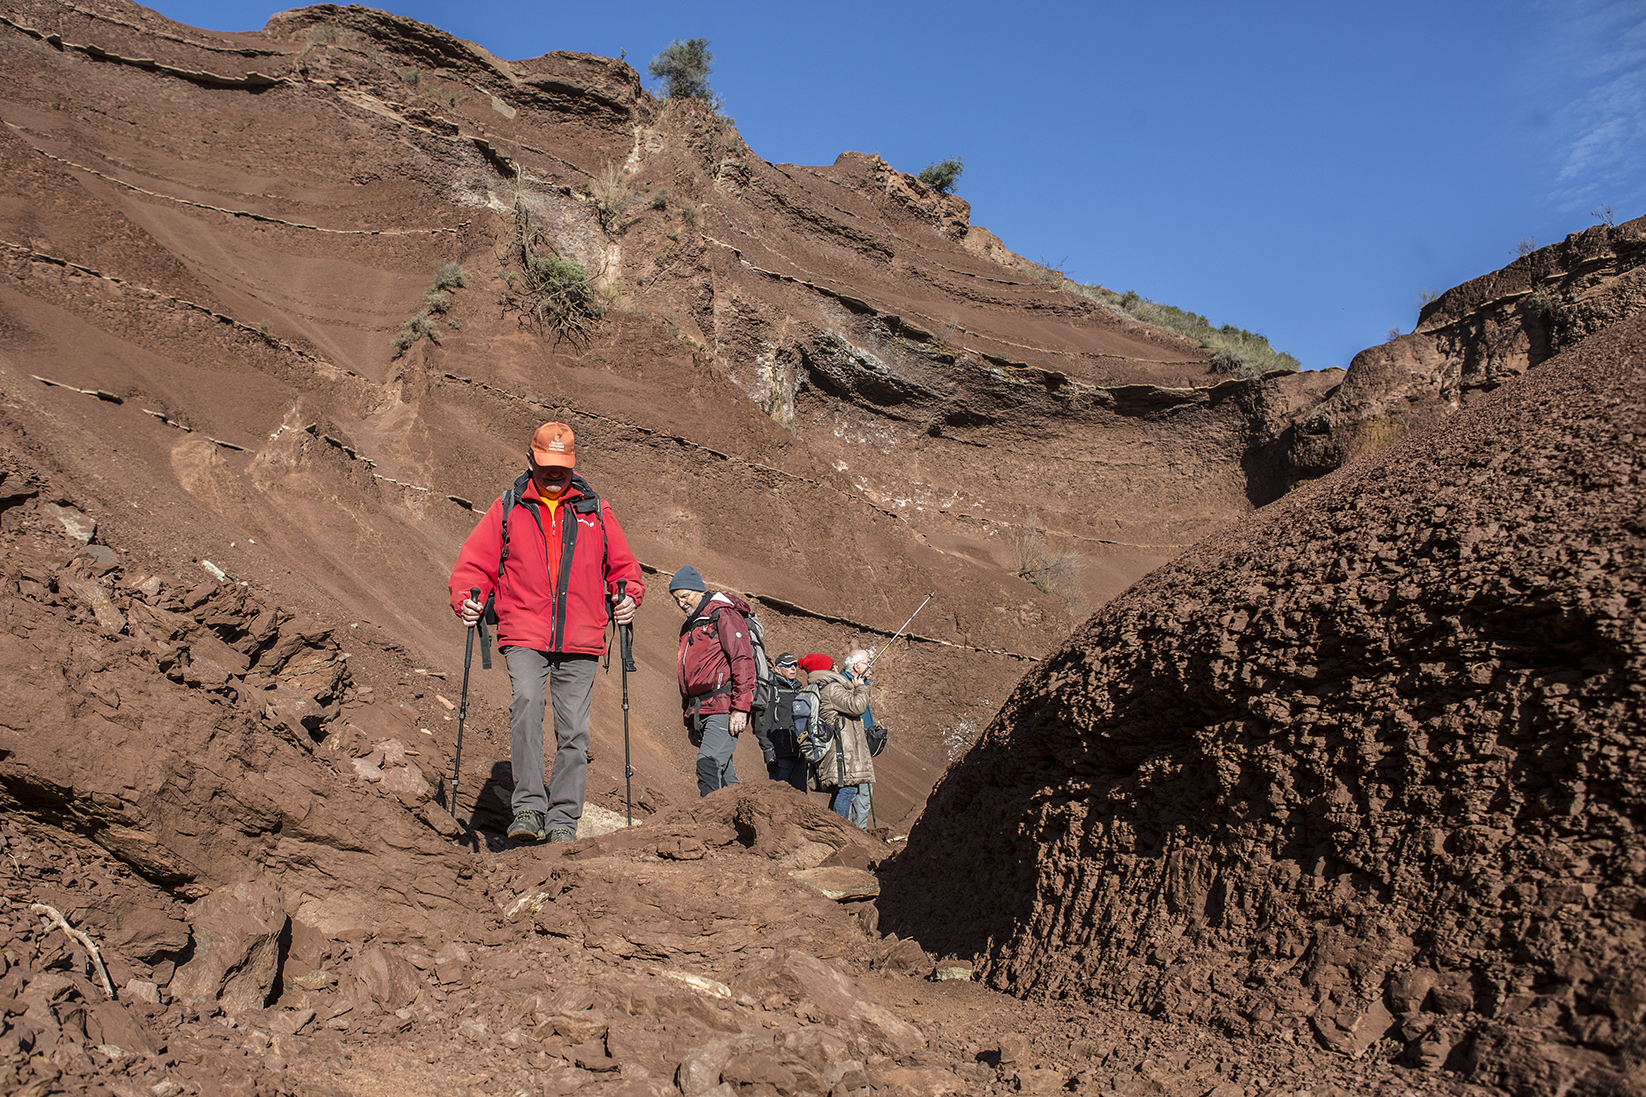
(1365, 770)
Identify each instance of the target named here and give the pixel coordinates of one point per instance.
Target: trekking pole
(625, 634)
(898, 633)
(463, 705)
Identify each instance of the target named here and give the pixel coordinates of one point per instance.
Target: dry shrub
(1048, 571)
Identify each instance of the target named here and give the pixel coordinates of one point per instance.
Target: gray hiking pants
(570, 684)
(714, 754)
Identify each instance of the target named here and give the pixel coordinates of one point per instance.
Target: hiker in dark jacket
(783, 760)
(717, 675)
(564, 564)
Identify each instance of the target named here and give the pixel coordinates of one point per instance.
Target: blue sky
(1302, 170)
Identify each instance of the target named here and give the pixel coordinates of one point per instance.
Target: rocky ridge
(1470, 340)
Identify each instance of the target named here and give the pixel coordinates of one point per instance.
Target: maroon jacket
(716, 659)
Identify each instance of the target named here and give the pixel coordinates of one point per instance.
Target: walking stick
(463, 706)
(898, 633)
(877, 655)
(625, 635)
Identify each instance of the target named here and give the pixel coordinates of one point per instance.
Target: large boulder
(237, 935)
(1365, 770)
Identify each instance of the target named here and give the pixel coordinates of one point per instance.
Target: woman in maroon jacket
(551, 605)
(717, 675)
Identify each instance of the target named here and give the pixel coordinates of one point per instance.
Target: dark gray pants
(570, 684)
(714, 754)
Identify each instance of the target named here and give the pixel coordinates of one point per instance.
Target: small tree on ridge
(942, 175)
(684, 68)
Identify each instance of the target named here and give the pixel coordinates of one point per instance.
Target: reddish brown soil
(228, 509)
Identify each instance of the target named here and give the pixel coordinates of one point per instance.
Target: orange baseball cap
(554, 444)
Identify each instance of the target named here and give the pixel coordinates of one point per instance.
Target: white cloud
(1597, 62)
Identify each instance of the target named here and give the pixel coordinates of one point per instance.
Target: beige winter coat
(847, 761)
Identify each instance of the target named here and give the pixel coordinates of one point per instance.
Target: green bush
(435, 303)
(684, 68)
(449, 276)
(613, 199)
(560, 291)
(1234, 350)
(554, 293)
(942, 175)
(418, 327)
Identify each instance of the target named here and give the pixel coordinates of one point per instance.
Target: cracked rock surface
(1366, 769)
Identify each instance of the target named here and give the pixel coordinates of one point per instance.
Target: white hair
(855, 656)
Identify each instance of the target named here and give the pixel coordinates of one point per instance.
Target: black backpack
(774, 727)
(877, 739)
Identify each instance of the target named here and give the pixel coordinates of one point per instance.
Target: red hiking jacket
(716, 659)
(551, 601)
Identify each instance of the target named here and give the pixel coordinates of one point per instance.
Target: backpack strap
(712, 617)
(588, 503)
(510, 499)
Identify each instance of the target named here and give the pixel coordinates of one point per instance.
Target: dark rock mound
(1365, 770)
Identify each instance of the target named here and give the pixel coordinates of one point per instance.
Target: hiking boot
(527, 827)
(562, 834)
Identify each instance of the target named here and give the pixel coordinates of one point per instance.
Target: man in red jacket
(551, 567)
(716, 675)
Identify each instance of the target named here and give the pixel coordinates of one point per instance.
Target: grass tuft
(1235, 351)
(613, 199)
(554, 293)
(436, 301)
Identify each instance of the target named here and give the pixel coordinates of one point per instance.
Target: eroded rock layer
(1366, 769)
(1468, 341)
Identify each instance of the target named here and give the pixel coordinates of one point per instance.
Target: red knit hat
(809, 663)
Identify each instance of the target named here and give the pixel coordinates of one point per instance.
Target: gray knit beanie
(687, 578)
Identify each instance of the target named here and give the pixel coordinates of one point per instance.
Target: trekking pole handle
(898, 633)
(480, 626)
(625, 633)
(463, 704)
